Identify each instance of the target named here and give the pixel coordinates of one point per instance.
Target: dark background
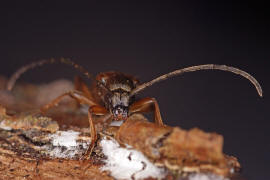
(151, 38)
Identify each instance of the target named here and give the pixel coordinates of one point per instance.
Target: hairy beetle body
(113, 90)
(112, 94)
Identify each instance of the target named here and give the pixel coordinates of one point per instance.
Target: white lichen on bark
(126, 163)
(66, 144)
(4, 126)
(209, 176)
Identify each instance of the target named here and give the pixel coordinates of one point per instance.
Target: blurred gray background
(152, 38)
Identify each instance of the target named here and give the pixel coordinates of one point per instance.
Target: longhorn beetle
(113, 93)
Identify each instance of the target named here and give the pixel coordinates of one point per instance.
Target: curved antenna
(197, 68)
(12, 80)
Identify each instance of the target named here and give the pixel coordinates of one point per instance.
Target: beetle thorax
(117, 98)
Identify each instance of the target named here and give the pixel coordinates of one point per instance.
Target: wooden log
(36, 146)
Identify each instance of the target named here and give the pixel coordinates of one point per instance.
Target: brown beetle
(113, 93)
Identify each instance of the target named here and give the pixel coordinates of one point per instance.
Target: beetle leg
(147, 105)
(94, 110)
(77, 95)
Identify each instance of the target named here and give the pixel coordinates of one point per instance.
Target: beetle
(112, 94)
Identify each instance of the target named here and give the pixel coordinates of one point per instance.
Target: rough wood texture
(27, 149)
(177, 149)
(17, 167)
(25, 152)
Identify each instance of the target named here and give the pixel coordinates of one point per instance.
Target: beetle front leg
(147, 105)
(93, 110)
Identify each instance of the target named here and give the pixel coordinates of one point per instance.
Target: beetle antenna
(12, 80)
(197, 68)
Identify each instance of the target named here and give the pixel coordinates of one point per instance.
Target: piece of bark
(30, 153)
(177, 149)
(22, 146)
(14, 166)
(27, 149)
